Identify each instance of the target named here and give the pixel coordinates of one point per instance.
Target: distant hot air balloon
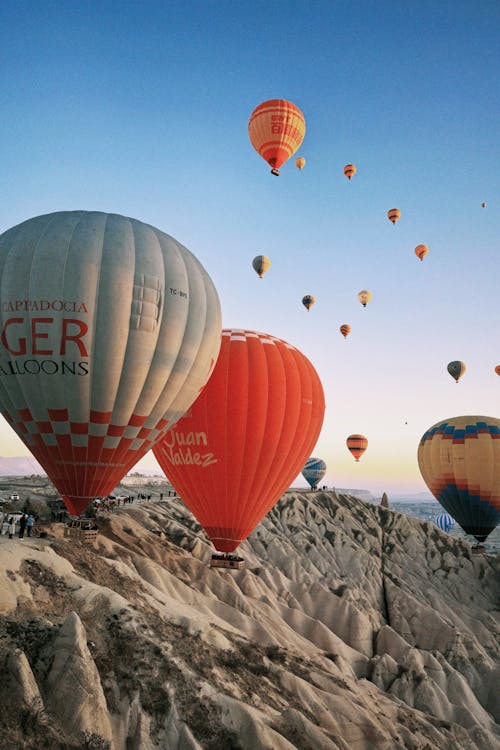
(444, 522)
(497, 369)
(261, 265)
(300, 162)
(364, 297)
(456, 369)
(276, 129)
(357, 444)
(350, 170)
(308, 301)
(246, 437)
(393, 214)
(110, 329)
(421, 251)
(483, 205)
(345, 330)
(459, 459)
(314, 471)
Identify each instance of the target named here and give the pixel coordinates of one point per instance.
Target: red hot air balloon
(109, 329)
(276, 129)
(246, 437)
(357, 444)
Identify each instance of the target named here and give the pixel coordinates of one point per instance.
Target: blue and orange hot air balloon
(308, 301)
(459, 459)
(456, 369)
(109, 329)
(246, 437)
(276, 130)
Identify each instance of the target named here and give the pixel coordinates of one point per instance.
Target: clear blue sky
(141, 108)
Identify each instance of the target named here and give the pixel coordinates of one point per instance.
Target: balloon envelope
(308, 301)
(393, 214)
(459, 459)
(109, 330)
(497, 369)
(357, 444)
(421, 251)
(246, 437)
(314, 471)
(345, 330)
(300, 162)
(444, 522)
(350, 170)
(261, 265)
(364, 297)
(456, 369)
(276, 129)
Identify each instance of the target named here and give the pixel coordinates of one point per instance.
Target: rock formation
(351, 627)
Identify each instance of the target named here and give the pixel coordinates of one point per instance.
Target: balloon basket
(223, 560)
(84, 530)
(478, 549)
(275, 172)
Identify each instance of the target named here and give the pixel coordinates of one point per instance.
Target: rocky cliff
(351, 628)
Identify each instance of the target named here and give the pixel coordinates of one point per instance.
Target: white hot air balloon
(109, 330)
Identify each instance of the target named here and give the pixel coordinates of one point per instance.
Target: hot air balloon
(308, 301)
(314, 471)
(393, 214)
(459, 459)
(349, 171)
(497, 369)
(261, 265)
(444, 522)
(276, 129)
(357, 444)
(456, 369)
(300, 162)
(345, 330)
(483, 205)
(364, 297)
(421, 251)
(246, 437)
(110, 328)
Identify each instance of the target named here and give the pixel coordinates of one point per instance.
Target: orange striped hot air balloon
(276, 129)
(300, 162)
(393, 214)
(246, 437)
(497, 369)
(357, 444)
(350, 170)
(421, 251)
(345, 330)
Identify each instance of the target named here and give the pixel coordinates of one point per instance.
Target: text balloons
(357, 444)
(459, 459)
(110, 328)
(456, 369)
(246, 437)
(314, 471)
(276, 129)
(261, 265)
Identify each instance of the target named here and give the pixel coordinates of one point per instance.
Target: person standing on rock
(22, 525)
(30, 521)
(12, 527)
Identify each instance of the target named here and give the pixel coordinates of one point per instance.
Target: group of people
(10, 522)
